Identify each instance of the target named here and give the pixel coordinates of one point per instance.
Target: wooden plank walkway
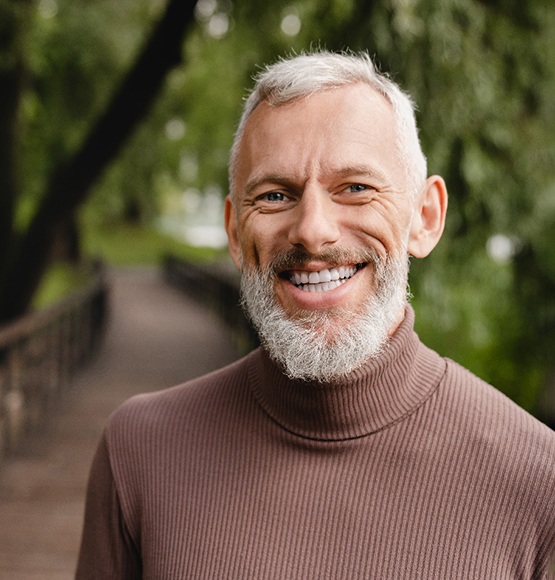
(156, 338)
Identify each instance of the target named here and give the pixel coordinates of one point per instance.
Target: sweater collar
(382, 392)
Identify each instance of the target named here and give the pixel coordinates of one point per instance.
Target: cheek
(261, 240)
(254, 249)
(379, 231)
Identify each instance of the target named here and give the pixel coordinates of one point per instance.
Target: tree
(482, 73)
(25, 257)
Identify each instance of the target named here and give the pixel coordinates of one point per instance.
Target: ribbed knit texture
(412, 468)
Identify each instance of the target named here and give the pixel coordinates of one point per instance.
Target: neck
(380, 392)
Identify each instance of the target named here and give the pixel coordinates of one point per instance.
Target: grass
(59, 281)
(132, 245)
(120, 245)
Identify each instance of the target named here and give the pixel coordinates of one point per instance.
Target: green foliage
(482, 73)
(75, 56)
(484, 76)
(60, 281)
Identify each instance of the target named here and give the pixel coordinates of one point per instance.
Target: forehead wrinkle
(288, 176)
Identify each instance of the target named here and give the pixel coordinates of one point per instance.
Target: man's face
(320, 176)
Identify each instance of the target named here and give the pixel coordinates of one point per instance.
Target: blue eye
(274, 196)
(357, 187)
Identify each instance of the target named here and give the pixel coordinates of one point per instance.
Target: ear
(230, 218)
(429, 217)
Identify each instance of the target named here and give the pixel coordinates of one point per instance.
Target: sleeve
(107, 551)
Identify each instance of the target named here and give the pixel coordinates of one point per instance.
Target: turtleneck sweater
(410, 467)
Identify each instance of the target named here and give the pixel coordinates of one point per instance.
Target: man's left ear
(429, 217)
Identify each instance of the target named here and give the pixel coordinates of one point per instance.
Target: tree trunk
(13, 16)
(71, 183)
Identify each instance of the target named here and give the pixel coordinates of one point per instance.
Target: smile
(323, 280)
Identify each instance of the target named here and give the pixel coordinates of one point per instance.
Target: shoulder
(487, 404)
(151, 432)
(198, 396)
(502, 456)
(491, 425)
(493, 457)
(461, 401)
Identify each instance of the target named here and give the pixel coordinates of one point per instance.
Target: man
(343, 448)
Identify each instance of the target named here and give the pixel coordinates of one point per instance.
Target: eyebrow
(362, 170)
(257, 180)
(343, 172)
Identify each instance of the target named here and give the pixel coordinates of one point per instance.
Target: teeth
(323, 280)
(325, 276)
(314, 278)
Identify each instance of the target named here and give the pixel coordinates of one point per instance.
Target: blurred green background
(482, 73)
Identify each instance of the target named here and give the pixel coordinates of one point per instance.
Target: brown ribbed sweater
(413, 468)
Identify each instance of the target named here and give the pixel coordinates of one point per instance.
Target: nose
(315, 223)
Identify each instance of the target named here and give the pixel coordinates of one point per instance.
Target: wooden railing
(39, 354)
(217, 286)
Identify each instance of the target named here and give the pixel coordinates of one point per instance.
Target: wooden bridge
(156, 337)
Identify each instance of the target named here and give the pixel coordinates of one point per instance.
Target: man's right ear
(230, 218)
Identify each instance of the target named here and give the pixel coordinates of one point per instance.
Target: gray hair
(300, 76)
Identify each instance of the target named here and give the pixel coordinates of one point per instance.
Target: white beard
(326, 345)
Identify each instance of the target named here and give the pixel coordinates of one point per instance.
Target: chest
(369, 509)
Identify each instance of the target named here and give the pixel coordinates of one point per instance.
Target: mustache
(297, 258)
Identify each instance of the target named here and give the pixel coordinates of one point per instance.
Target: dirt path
(157, 338)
